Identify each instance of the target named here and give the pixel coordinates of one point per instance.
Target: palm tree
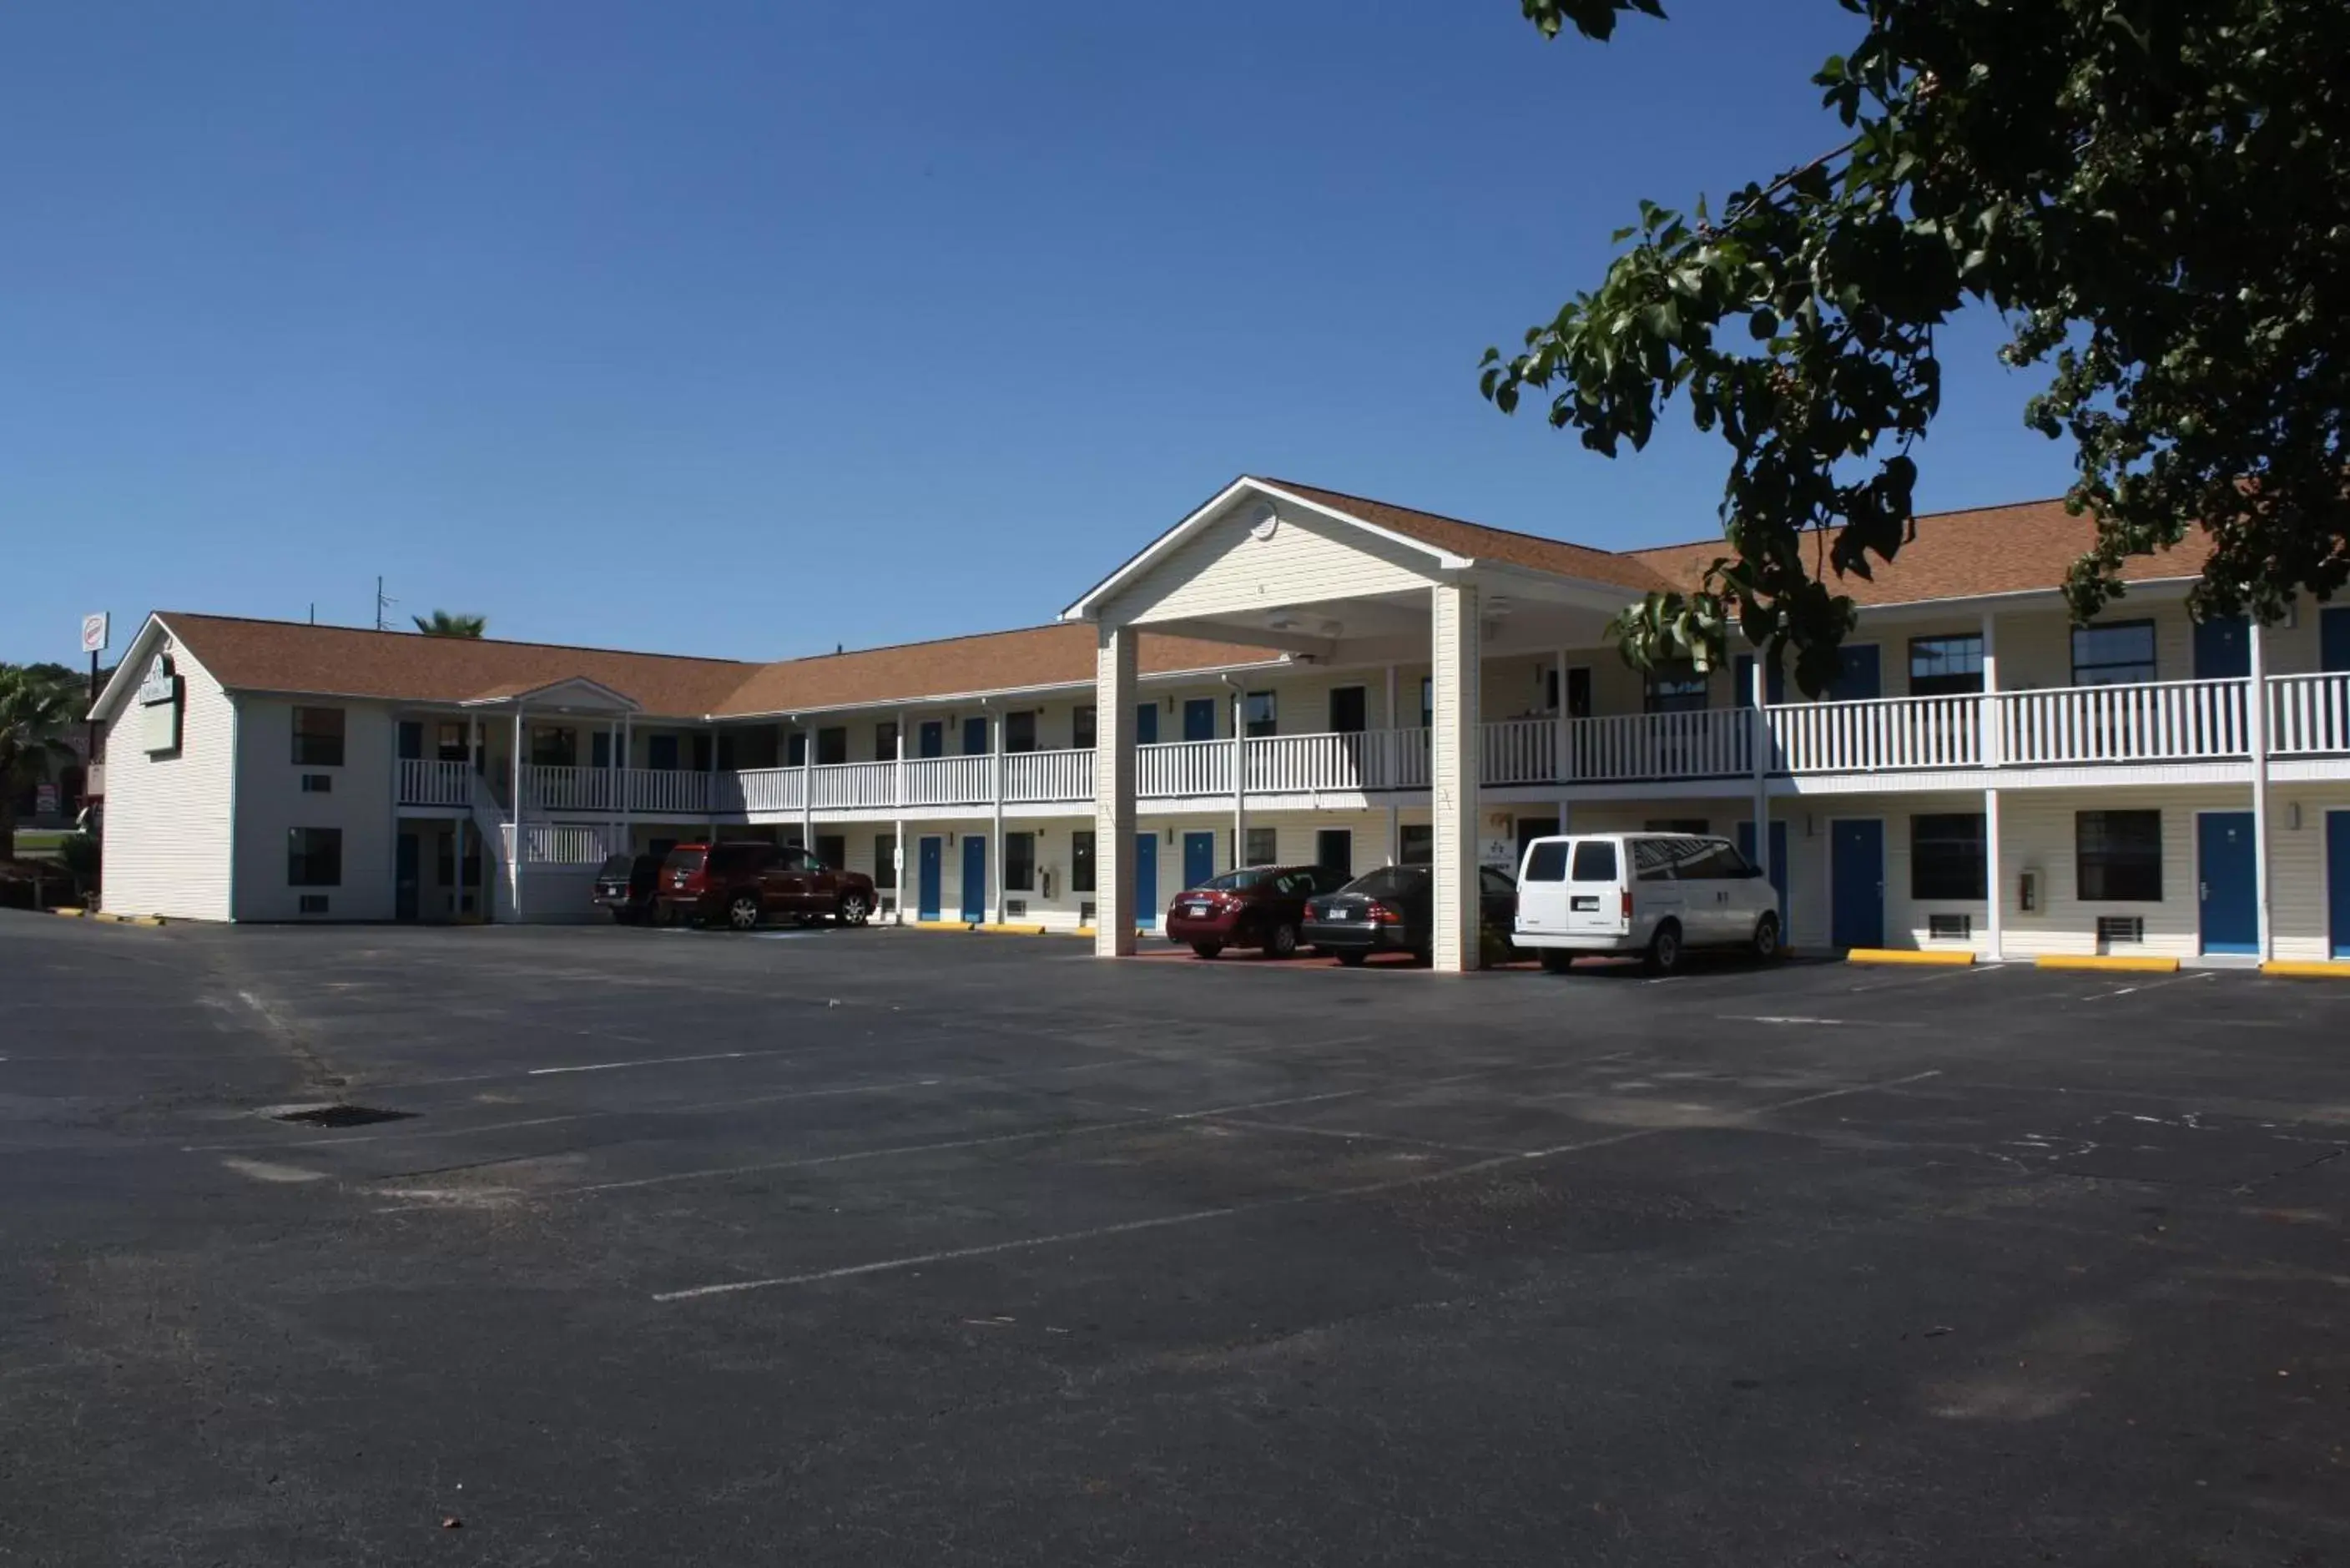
(36, 715)
(440, 623)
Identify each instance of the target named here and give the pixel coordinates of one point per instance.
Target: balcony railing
(2189, 721)
(432, 782)
(2309, 715)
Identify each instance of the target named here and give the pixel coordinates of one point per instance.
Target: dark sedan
(1393, 911)
(1261, 906)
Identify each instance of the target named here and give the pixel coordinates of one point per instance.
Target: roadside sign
(94, 633)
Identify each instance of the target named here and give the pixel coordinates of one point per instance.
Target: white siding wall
(270, 803)
(168, 814)
(1222, 569)
(2299, 874)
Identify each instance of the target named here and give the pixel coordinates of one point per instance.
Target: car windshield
(617, 864)
(1236, 881)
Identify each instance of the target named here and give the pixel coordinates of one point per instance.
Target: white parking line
(2150, 985)
(644, 1062)
(1290, 1200)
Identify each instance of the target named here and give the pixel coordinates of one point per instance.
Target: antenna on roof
(382, 604)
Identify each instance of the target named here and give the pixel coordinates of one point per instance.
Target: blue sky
(748, 329)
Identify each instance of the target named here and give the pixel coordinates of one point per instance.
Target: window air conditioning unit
(1013, 909)
(314, 903)
(2121, 928)
(1950, 928)
(1085, 913)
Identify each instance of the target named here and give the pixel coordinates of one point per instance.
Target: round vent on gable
(1263, 518)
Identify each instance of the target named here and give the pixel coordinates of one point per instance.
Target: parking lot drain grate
(343, 1117)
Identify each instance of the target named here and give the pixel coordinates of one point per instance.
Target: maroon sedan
(1259, 907)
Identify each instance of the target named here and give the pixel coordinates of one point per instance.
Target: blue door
(930, 877)
(1199, 719)
(406, 874)
(974, 737)
(1858, 679)
(2337, 880)
(1778, 862)
(1199, 858)
(1856, 888)
(2333, 638)
(933, 742)
(1146, 724)
(2222, 651)
(1145, 880)
(2226, 882)
(974, 875)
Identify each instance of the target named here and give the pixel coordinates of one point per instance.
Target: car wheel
(853, 909)
(1283, 943)
(1556, 961)
(1353, 958)
(1206, 949)
(1766, 937)
(742, 911)
(1665, 949)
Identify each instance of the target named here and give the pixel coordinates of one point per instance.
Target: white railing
(1179, 768)
(565, 842)
(1880, 733)
(567, 789)
(1710, 742)
(854, 785)
(424, 783)
(2177, 720)
(2309, 714)
(1031, 776)
(1280, 764)
(1407, 762)
(949, 781)
(761, 790)
(1521, 751)
(667, 789)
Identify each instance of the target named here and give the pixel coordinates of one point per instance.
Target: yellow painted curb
(69, 912)
(942, 925)
(1003, 930)
(1947, 958)
(2295, 969)
(2125, 965)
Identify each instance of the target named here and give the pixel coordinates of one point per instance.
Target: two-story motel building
(1293, 674)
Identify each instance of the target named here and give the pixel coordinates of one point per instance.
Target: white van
(1652, 893)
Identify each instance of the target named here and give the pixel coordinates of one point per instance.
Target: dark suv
(743, 884)
(626, 887)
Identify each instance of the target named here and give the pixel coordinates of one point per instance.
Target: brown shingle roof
(1958, 554)
(1480, 542)
(1057, 655)
(346, 661)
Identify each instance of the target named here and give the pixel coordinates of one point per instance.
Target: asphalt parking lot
(897, 1247)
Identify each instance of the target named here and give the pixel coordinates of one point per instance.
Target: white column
(897, 795)
(807, 788)
(1240, 776)
(1562, 767)
(2256, 735)
(1392, 766)
(995, 850)
(1454, 774)
(628, 781)
(514, 858)
(1114, 696)
(1760, 697)
(1992, 883)
(1989, 745)
(476, 761)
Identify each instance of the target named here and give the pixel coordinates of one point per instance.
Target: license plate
(1196, 910)
(1589, 905)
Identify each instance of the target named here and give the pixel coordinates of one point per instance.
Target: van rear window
(1547, 863)
(1596, 861)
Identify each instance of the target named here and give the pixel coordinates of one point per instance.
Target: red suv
(1261, 907)
(743, 884)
